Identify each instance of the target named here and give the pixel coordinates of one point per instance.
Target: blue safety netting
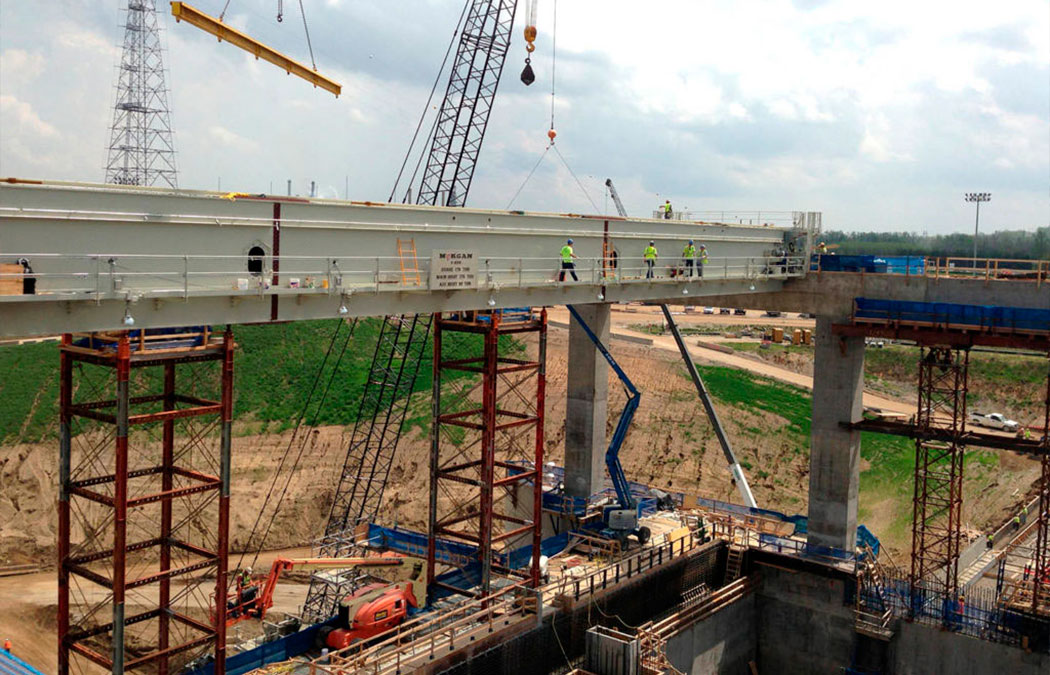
(871, 264)
(944, 314)
(12, 665)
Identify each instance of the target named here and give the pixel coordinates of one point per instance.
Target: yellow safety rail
(209, 24)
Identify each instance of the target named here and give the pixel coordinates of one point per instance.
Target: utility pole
(977, 198)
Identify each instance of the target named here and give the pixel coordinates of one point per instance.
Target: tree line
(1017, 244)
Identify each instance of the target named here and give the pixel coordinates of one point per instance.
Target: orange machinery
(368, 611)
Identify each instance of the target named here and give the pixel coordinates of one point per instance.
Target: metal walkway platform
(171, 258)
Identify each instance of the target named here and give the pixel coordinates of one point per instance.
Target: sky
(880, 115)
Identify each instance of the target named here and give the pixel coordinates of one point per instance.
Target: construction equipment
(252, 599)
(619, 520)
(616, 198)
(455, 143)
(209, 24)
(712, 415)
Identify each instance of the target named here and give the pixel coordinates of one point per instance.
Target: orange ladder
(409, 266)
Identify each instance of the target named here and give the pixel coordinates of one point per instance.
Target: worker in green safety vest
(667, 209)
(689, 256)
(702, 260)
(567, 257)
(650, 256)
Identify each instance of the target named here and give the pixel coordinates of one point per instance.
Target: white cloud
(232, 141)
(751, 104)
(24, 119)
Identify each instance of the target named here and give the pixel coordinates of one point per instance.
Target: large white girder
(179, 257)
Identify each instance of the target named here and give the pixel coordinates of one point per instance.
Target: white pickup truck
(994, 421)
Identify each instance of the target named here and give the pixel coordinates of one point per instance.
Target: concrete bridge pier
(834, 462)
(588, 401)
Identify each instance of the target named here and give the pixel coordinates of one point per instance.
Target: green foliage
(749, 391)
(275, 369)
(28, 391)
(1017, 244)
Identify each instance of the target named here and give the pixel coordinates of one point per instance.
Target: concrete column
(588, 402)
(834, 461)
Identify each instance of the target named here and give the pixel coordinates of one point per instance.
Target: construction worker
(1017, 523)
(1024, 513)
(702, 261)
(822, 248)
(567, 256)
(7, 645)
(650, 254)
(689, 256)
(1027, 434)
(667, 209)
(991, 540)
(244, 578)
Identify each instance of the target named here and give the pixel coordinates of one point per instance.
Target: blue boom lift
(621, 519)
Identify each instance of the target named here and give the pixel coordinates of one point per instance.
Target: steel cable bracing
(291, 441)
(422, 117)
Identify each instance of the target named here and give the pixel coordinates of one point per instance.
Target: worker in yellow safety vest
(702, 261)
(650, 256)
(822, 248)
(667, 209)
(689, 256)
(567, 256)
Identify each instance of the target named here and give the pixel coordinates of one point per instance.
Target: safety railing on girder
(103, 276)
(984, 269)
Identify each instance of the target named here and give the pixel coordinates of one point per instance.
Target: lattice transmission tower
(142, 145)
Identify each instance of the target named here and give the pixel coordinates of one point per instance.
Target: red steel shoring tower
(143, 523)
(473, 448)
(1041, 555)
(937, 515)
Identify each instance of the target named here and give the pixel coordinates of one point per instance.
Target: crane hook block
(527, 76)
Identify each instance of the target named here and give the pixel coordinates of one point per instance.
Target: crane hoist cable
(426, 108)
(183, 11)
(292, 439)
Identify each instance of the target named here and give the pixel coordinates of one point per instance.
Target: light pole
(977, 197)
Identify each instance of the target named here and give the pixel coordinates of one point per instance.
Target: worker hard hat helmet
(651, 242)
(690, 242)
(247, 570)
(568, 241)
(823, 244)
(701, 245)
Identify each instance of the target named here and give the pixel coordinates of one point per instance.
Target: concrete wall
(722, 643)
(924, 650)
(832, 293)
(803, 626)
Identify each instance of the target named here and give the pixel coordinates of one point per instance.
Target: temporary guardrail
(99, 276)
(986, 269)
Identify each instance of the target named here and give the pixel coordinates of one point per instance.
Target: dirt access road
(649, 314)
(29, 605)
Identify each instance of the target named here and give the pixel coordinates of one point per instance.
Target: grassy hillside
(888, 462)
(276, 366)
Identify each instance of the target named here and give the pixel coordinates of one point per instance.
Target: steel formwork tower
(486, 456)
(937, 515)
(1041, 555)
(142, 145)
(144, 490)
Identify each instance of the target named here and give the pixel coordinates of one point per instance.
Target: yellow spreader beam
(184, 12)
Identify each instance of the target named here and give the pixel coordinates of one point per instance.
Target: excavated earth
(671, 446)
